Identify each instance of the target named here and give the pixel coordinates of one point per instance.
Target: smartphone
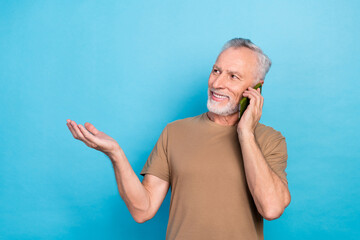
(244, 102)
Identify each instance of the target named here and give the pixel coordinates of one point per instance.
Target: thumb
(91, 128)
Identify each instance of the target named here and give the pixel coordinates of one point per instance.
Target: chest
(201, 158)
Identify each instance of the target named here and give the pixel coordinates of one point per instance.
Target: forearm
(131, 190)
(269, 192)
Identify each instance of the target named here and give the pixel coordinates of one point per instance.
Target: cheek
(238, 94)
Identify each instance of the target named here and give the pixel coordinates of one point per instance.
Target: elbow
(142, 216)
(141, 213)
(273, 214)
(140, 219)
(276, 212)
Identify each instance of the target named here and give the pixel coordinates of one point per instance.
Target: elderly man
(225, 174)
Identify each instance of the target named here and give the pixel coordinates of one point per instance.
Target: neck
(229, 120)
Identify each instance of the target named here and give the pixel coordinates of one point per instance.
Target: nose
(219, 81)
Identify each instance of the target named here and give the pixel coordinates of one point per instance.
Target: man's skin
(234, 73)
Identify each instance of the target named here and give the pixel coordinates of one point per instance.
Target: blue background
(132, 67)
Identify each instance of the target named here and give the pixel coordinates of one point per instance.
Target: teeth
(218, 96)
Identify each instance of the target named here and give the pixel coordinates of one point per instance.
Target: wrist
(245, 135)
(115, 156)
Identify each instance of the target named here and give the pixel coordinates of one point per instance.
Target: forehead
(237, 59)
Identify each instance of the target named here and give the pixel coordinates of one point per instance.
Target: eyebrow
(215, 66)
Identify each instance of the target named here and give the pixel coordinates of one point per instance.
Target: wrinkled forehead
(238, 59)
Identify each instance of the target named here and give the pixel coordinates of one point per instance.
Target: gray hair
(263, 60)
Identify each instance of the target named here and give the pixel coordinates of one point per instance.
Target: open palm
(93, 137)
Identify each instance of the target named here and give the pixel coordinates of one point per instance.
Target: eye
(215, 70)
(234, 76)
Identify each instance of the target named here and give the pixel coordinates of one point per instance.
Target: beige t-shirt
(202, 161)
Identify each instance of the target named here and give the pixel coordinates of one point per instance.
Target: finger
(75, 128)
(91, 138)
(78, 133)
(258, 95)
(261, 99)
(256, 91)
(250, 94)
(72, 130)
(254, 98)
(91, 128)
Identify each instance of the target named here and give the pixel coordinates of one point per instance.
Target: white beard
(215, 107)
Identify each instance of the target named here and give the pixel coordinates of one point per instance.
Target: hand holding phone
(244, 102)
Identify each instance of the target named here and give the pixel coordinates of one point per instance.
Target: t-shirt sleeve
(276, 155)
(157, 163)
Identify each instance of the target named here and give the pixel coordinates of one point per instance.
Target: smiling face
(233, 72)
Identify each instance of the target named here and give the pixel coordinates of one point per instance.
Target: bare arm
(271, 195)
(142, 199)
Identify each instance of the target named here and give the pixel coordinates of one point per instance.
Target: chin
(226, 110)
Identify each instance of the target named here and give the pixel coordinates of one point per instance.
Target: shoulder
(264, 130)
(265, 134)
